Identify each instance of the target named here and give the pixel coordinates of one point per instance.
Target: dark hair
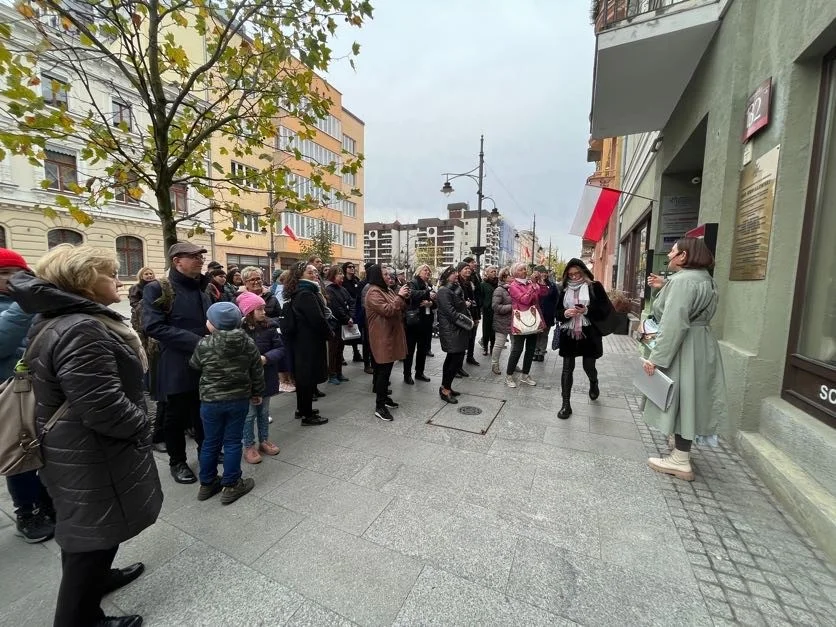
(333, 271)
(445, 274)
(468, 260)
(313, 258)
(697, 254)
(580, 265)
(216, 272)
(296, 273)
(374, 276)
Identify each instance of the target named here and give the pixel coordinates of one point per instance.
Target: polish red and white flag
(289, 232)
(594, 211)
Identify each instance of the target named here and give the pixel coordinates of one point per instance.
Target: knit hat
(224, 316)
(11, 259)
(249, 302)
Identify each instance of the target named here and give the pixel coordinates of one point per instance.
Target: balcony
(646, 54)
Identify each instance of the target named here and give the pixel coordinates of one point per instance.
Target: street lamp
(447, 189)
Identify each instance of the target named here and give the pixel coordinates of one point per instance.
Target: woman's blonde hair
(504, 274)
(76, 268)
(143, 271)
(488, 269)
(249, 270)
(516, 267)
(421, 267)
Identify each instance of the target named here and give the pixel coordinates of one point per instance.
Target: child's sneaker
(208, 490)
(232, 493)
(251, 455)
(268, 448)
(287, 387)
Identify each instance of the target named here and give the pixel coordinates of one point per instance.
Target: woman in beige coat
(387, 336)
(689, 354)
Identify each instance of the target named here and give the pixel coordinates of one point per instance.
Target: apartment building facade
(434, 241)
(741, 153)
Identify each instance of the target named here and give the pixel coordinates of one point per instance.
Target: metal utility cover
(473, 414)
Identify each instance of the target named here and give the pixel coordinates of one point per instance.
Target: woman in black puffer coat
(454, 338)
(98, 466)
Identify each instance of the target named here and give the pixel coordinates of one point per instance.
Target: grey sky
(434, 74)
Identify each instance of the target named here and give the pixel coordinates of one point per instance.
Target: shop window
(129, 251)
(63, 236)
(635, 246)
(810, 378)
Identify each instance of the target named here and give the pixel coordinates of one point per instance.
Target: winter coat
(269, 343)
(353, 287)
(384, 317)
(502, 307)
(14, 324)
(548, 303)
(420, 292)
(309, 343)
(98, 465)
(230, 366)
(469, 293)
(591, 344)
(339, 301)
(454, 339)
(230, 292)
(525, 295)
(486, 289)
(688, 353)
(178, 330)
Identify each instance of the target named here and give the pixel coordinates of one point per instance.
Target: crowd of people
(212, 348)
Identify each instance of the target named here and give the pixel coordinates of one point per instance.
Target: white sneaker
(524, 378)
(509, 381)
(287, 387)
(269, 420)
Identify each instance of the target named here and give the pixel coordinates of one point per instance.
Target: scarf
(127, 335)
(577, 293)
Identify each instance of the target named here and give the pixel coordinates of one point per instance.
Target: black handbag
(463, 322)
(413, 317)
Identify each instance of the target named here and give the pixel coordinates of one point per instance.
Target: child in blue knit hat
(231, 377)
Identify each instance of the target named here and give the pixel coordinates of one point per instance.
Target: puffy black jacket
(230, 366)
(339, 302)
(98, 468)
(451, 305)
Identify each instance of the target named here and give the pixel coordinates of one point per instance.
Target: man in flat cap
(174, 314)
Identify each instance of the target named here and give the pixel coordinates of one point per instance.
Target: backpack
(164, 302)
(287, 320)
(19, 440)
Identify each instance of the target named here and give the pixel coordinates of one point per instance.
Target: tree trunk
(166, 215)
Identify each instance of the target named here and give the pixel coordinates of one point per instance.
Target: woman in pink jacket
(525, 293)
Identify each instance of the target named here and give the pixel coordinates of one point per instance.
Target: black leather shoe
(462, 373)
(298, 416)
(594, 392)
(135, 620)
(120, 577)
(314, 420)
(422, 377)
(318, 394)
(565, 411)
(447, 398)
(182, 473)
(408, 380)
(472, 361)
(454, 393)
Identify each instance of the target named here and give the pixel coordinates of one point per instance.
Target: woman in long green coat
(688, 353)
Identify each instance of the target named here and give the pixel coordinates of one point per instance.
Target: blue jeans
(258, 414)
(223, 424)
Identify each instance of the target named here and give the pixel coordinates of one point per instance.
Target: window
(60, 170)
(349, 145)
(350, 179)
(348, 207)
(124, 192)
(350, 240)
(305, 226)
(179, 199)
(810, 374)
(3, 237)
(122, 115)
(54, 90)
(129, 252)
(311, 151)
(330, 125)
(244, 175)
(63, 236)
(635, 276)
(247, 222)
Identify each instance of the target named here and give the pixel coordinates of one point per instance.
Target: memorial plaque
(753, 226)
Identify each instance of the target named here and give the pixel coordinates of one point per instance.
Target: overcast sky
(434, 74)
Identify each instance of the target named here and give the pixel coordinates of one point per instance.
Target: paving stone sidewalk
(538, 521)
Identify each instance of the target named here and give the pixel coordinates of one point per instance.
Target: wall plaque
(758, 107)
(753, 226)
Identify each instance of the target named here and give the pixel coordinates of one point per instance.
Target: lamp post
(447, 189)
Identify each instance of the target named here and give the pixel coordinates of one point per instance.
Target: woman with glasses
(581, 301)
(254, 283)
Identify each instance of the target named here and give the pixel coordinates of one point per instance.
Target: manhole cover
(476, 416)
(470, 410)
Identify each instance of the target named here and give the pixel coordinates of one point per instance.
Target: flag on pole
(527, 252)
(289, 232)
(594, 211)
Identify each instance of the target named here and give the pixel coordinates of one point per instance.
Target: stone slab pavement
(538, 521)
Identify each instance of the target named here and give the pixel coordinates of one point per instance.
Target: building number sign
(757, 109)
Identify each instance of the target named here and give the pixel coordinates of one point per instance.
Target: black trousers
(452, 364)
(83, 580)
(471, 342)
(159, 423)
(682, 444)
(518, 342)
(367, 349)
(382, 372)
(182, 411)
(304, 399)
(567, 376)
(488, 336)
(419, 338)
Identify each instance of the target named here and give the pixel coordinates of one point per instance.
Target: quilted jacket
(230, 366)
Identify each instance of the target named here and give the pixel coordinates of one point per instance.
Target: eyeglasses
(574, 275)
(349, 267)
(194, 256)
(254, 281)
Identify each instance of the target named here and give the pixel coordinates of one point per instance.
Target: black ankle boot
(565, 410)
(566, 392)
(594, 392)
